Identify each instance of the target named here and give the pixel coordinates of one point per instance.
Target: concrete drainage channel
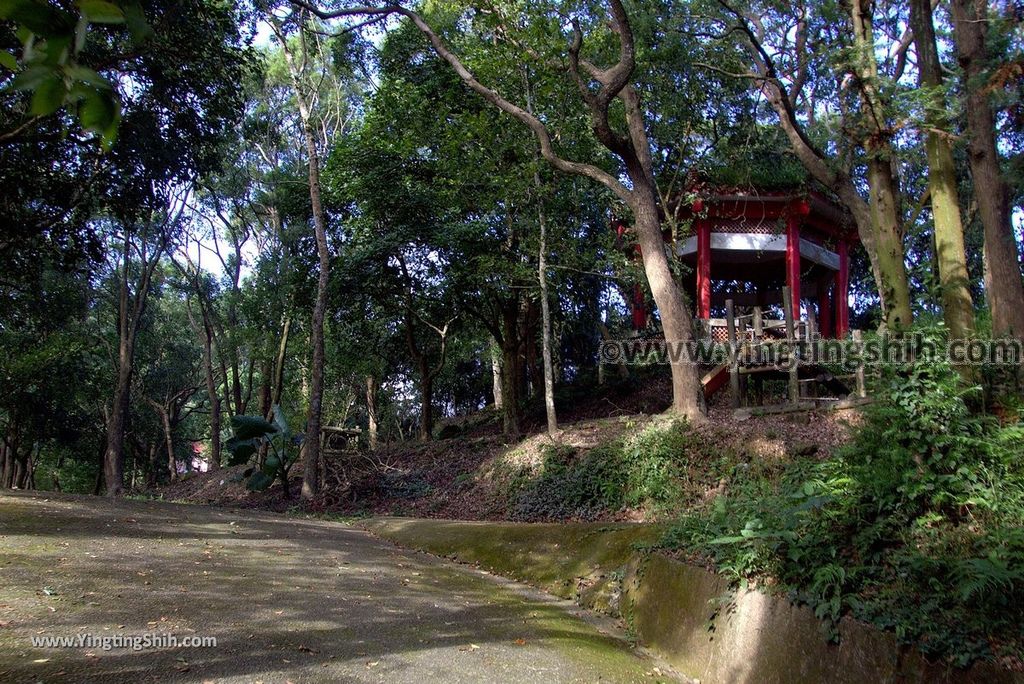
(683, 614)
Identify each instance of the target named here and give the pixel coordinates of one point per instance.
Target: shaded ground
(287, 599)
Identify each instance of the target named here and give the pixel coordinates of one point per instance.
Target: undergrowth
(657, 468)
(917, 526)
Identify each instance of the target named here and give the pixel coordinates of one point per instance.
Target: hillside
(479, 475)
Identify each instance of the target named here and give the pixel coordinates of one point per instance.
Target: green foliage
(49, 67)
(914, 526)
(925, 453)
(646, 469)
(760, 162)
(253, 433)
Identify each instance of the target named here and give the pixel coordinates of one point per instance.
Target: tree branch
(538, 128)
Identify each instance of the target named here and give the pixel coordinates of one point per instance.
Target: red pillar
(703, 268)
(793, 262)
(825, 307)
(843, 290)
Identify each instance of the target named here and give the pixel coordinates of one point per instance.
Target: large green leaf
(38, 17)
(99, 112)
(135, 20)
(8, 61)
(32, 77)
(247, 427)
(54, 49)
(49, 96)
(241, 450)
(84, 74)
(101, 12)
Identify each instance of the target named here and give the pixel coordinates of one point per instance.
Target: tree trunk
(311, 461)
(7, 473)
(532, 375)
(889, 275)
(19, 473)
(893, 285)
(950, 257)
(236, 381)
(30, 468)
(371, 411)
(496, 381)
(130, 312)
(212, 393)
(282, 351)
(687, 397)
(151, 475)
(635, 152)
(113, 459)
(1005, 291)
(267, 388)
(311, 446)
(511, 375)
(172, 466)
(10, 453)
(426, 402)
(55, 476)
(839, 182)
(545, 316)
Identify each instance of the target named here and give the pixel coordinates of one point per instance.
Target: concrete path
(287, 600)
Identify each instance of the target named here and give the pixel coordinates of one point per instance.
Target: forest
(353, 260)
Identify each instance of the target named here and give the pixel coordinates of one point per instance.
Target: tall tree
(200, 291)
(1003, 283)
(877, 219)
(545, 306)
(143, 246)
(950, 256)
(170, 378)
(426, 371)
(301, 59)
(883, 186)
(598, 88)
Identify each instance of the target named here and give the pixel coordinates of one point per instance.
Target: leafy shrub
(923, 449)
(916, 526)
(646, 469)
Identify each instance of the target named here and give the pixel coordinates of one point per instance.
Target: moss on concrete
(585, 562)
(684, 614)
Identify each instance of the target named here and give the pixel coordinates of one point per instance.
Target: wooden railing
(744, 331)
